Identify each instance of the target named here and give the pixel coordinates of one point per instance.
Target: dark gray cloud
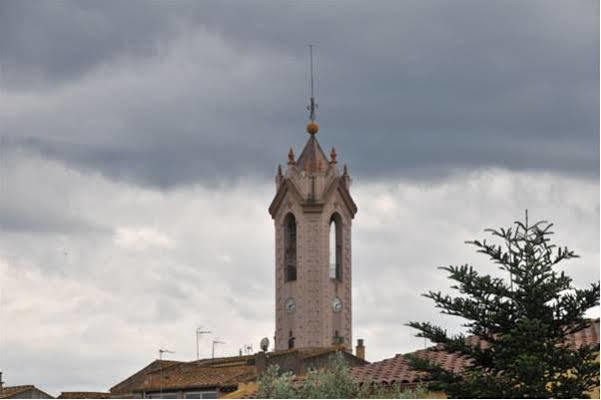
(164, 94)
(45, 43)
(105, 104)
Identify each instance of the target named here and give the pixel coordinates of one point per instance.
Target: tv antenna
(248, 349)
(199, 332)
(213, 349)
(161, 352)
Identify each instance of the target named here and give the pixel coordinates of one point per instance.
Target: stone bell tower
(313, 211)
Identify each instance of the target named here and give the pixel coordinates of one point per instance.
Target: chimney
(360, 349)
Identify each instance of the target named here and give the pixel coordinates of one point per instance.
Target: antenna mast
(199, 332)
(161, 352)
(213, 350)
(312, 105)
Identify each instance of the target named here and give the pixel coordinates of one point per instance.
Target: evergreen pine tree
(524, 323)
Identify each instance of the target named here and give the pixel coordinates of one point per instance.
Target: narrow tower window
(336, 247)
(290, 248)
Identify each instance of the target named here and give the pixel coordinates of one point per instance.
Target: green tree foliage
(524, 320)
(273, 385)
(333, 382)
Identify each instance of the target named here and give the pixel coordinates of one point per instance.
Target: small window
(290, 248)
(201, 395)
(161, 396)
(335, 262)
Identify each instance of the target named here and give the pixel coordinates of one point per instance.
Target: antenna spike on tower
(312, 126)
(311, 62)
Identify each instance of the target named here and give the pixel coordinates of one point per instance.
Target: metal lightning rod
(312, 105)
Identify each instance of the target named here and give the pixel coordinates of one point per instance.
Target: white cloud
(142, 238)
(405, 230)
(89, 307)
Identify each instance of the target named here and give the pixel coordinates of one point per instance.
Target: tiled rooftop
(588, 336)
(225, 373)
(397, 370)
(216, 372)
(197, 375)
(9, 391)
(137, 379)
(84, 395)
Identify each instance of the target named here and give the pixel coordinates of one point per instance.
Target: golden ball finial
(312, 127)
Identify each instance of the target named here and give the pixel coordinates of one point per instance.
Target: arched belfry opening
(335, 253)
(290, 248)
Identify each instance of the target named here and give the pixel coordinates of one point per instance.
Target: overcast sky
(139, 141)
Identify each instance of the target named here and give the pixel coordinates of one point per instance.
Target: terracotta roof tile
(223, 360)
(588, 336)
(213, 372)
(137, 379)
(198, 375)
(84, 395)
(9, 391)
(396, 369)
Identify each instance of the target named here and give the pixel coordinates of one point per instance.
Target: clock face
(336, 304)
(290, 305)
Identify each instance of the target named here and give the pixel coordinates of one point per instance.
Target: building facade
(313, 211)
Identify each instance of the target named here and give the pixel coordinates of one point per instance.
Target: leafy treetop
(332, 382)
(524, 322)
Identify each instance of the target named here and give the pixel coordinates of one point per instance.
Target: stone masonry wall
(314, 322)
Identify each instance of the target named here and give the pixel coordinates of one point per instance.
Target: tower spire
(312, 126)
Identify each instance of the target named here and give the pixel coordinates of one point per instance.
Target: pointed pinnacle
(333, 155)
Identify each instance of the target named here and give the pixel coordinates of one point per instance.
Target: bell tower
(313, 212)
